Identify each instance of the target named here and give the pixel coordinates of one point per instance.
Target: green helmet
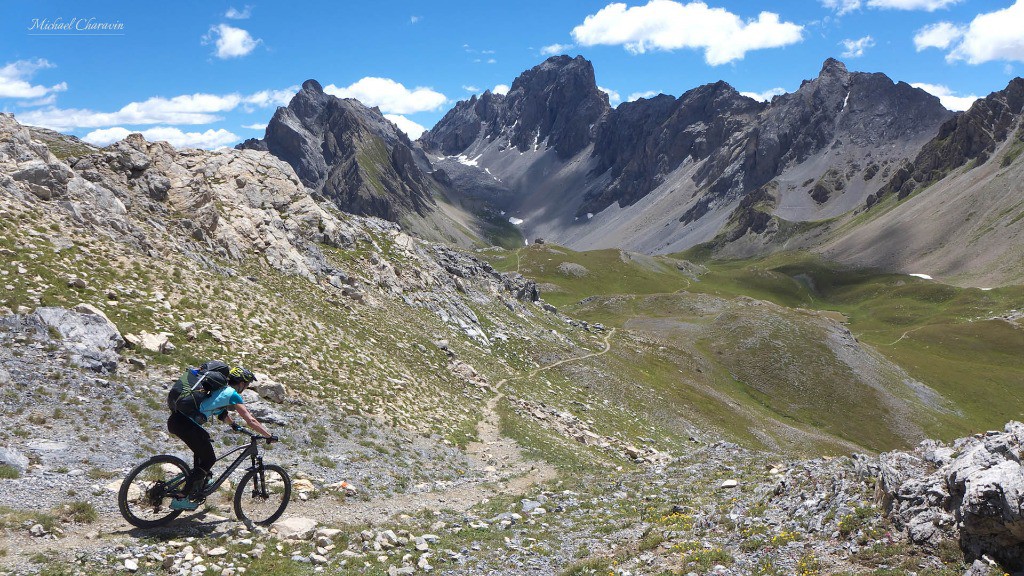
(239, 375)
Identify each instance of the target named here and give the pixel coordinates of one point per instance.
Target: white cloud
(390, 96)
(44, 101)
(946, 96)
(846, 6)
(414, 19)
(185, 109)
(613, 96)
(231, 42)
(14, 79)
(555, 49)
(996, 35)
(765, 96)
(256, 126)
(492, 61)
(500, 89)
(856, 48)
(265, 98)
(470, 88)
(411, 129)
(175, 137)
(638, 95)
(842, 6)
(941, 35)
(235, 14)
(669, 25)
(927, 5)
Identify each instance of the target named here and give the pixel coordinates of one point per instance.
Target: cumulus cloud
(555, 49)
(941, 35)
(236, 14)
(765, 96)
(15, 76)
(209, 139)
(185, 109)
(256, 126)
(946, 96)
(993, 36)
(390, 96)
(500, 89)
(411, 129)
(638, 95)
(670, 25)
(856, 48)
(414, 19)
(231, 42)
(613, 96)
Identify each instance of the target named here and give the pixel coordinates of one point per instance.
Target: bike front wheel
(262, 495)
(146, 493)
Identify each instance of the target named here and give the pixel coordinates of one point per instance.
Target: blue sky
(210, 74)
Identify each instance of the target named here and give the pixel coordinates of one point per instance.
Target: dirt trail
(496, 461)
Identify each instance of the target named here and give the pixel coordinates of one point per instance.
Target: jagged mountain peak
(833, 67)
(554, 104)
(350, 153)
(312, 85)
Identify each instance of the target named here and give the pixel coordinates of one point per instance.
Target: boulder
(92, 338)
(159, 343)
(974, 496)
(296, 528)
(269, 389)
(262, 410)
(11, 457)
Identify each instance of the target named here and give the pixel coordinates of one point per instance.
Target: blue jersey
(219, 401)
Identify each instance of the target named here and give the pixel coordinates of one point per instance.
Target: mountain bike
(260, 497)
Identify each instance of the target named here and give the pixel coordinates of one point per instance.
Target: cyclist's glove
(272, 439)
(235, 426)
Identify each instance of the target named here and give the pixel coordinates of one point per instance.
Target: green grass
(609, 272)
(8, 472)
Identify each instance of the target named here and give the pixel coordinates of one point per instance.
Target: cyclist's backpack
(195, 385)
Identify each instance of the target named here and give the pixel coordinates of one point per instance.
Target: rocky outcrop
(93, 340)
(970, 136)
(971, 489)
(350, 153)
(556, 102)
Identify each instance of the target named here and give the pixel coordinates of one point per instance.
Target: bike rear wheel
(145, 495)
(262, 495)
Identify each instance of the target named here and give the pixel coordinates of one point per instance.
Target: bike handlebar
(253, 436)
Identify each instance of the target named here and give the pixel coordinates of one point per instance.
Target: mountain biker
(198, 439)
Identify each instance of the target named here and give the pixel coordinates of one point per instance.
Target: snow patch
(515, 221)
(846, 101)
(590, 215)
(463, 159)
(925, 276)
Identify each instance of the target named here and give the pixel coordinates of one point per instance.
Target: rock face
(971, 136)
(809, 155)
(974, 489)
(556, 102)
(92, 338)
(350, 153)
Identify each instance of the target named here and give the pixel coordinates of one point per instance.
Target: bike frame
(251, 451)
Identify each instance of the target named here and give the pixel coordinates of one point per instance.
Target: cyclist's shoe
(183, 504)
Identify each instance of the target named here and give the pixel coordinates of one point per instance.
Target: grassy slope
(749, 382)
